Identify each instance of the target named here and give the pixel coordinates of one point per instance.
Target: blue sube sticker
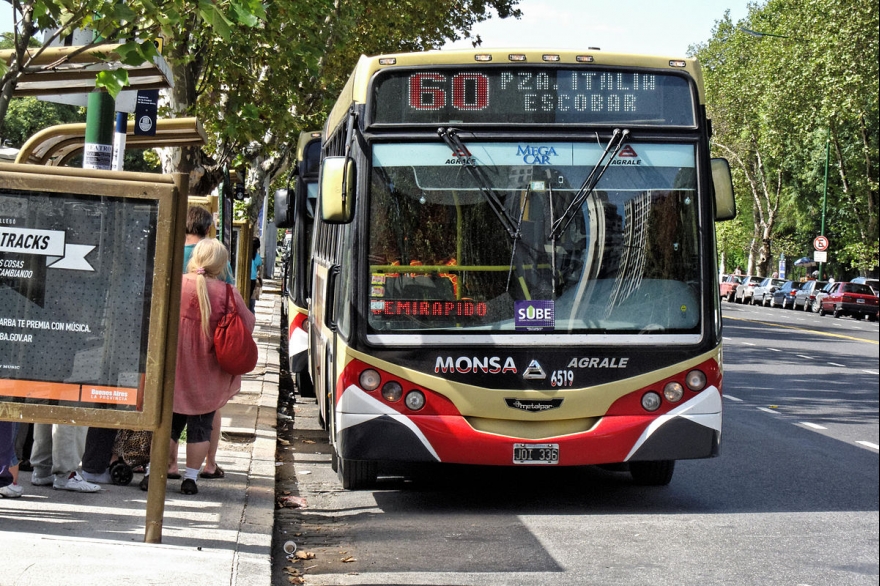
(534, 315)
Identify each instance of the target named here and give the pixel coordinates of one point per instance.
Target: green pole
(100, 122)
(825, 190)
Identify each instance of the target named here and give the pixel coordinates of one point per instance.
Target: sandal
(189, 486)
(218, 473)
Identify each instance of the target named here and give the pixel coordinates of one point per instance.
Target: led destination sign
(456, 309)
(532, 95)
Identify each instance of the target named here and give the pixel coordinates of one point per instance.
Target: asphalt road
(793, 499)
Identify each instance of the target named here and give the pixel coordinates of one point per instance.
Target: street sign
(820, 243)
(820, 256)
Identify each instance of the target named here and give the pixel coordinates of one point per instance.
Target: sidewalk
(223, 535)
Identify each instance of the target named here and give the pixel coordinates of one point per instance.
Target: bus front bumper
(369, 430)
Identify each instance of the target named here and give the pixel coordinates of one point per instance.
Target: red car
(727, 288)
(854, 299)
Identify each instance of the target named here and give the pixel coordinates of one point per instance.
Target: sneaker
(102, 478)
(38, 480)
(145, 482)
(189, 486)
(11, 491)
(74, 483)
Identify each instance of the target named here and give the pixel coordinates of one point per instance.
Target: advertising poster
(75, 289)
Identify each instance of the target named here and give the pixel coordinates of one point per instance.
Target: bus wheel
(357, 474)
(657, 473)
(304, 384)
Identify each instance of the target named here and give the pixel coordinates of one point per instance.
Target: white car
(744, 291)
(763, 291)
(817, 303)
(872, 283)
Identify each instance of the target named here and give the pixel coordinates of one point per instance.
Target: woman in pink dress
(201, 386)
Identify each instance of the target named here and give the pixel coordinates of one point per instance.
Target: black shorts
(198, 427)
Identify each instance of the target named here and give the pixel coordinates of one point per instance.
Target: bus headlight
(370, 380)
(695, 380)
(415, 400)
(651, 401)
(392, 391)
(673, 392)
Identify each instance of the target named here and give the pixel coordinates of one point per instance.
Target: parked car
(743, 291)
(763, 291)
(854, 299)
(784, 296)
(727, 288)
(817, 303)
(806, 295)
(872, 283)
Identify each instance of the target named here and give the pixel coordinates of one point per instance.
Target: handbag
(233, 344)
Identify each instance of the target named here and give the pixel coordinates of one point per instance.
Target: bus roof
(305, 138)
(355, 89)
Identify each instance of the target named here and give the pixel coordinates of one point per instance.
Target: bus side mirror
(725, 204)
(337, 189)
(283, 213)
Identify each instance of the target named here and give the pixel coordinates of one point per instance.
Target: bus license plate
(536, 453)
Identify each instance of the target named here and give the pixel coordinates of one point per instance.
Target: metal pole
(101, 114)
(160, 447)
(825, 190)
(119, 141)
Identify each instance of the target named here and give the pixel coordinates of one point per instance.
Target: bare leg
(172, 459)
(196, 453)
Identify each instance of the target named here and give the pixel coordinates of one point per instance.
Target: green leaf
(250, 112)
(248, 13)
(112, 81)
(131, 53)
(122, 12)
(212, 15)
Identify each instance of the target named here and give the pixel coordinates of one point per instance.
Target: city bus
(296, 212)
(514, 264)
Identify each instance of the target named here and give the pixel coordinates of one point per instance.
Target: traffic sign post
(820, 245)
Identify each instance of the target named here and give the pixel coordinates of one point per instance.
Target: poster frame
(166, 279)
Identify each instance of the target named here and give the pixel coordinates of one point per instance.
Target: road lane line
(836, 364)
(766, 410)
(774, 349)
(817, 332)
(802, 356)
(869, 445)
(732, 398)
(813, 425)
(871, 371)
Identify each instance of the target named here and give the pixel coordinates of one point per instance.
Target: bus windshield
(444, 259)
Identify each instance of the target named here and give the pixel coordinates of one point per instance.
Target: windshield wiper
(517, 235)
(613, 146)
(450, 137)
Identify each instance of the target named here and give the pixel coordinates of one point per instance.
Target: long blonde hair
(208, 261)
